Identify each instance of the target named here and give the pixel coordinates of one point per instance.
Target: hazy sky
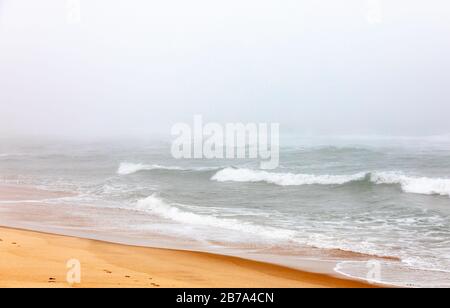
(136, 67)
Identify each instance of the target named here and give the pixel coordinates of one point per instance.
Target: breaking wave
(159, 207)
(283, 179)
(131, 168)
(408, 184)
(416, 185)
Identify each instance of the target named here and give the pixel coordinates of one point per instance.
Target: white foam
(283, 179)
(417, 185)
(159, 207)
(130, 168)
(394, 273)
(409, 184)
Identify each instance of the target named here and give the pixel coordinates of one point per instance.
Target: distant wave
(130, 168)
(283, 179)
(416, 185)
(161, 208)
(409, 184)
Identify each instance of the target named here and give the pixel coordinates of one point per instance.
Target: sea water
(375, 196)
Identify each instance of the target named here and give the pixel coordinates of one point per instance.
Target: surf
(132, 168)
(284, 179)
(408, 184)
(157, 206)
(412, 184)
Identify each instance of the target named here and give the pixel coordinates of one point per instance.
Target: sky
(137, 67)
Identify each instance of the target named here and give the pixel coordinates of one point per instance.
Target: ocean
(341, 201)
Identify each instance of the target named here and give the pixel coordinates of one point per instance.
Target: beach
(38, 259)
(225, 144)
(340, 211)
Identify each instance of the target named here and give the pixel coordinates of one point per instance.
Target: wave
(131, 168)
(284, 179)
(408, 184)
(159, 207)
(416, 185)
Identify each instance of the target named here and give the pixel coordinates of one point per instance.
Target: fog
(135, 68)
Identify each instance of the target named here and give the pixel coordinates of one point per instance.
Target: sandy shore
(32, 259)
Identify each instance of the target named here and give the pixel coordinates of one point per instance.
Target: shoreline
(29, 254)
(35, 259)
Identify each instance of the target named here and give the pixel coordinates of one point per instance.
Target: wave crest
(284, 179)
(408, 184)
(131, 168)
(159, 207)
(416, 185)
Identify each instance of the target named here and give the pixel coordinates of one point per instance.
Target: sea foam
(417, 185)
(157, 206)
(283, 179)
(408, 184)
(130, 168)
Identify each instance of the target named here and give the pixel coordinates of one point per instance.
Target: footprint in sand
(108, 272)
(155, 285)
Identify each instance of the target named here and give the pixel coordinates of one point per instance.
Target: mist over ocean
(371, 75)
(376, 196)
